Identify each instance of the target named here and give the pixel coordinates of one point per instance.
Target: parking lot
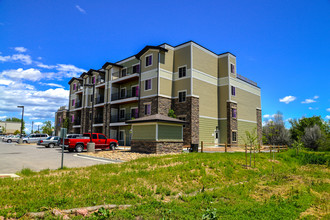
(14, 158)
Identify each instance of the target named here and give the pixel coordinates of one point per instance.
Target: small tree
(251, 139)
(66, 123)
(274, 132)
(171, 113)
(17, 132)
(312, 137)
(47, 128)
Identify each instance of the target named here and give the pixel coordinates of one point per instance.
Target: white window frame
(233, 136)
(231, 90)
(124, 112)
(179, 71)
(234, 68)
(152, 60)
(136, 65)
(144, 106)
(121, 71)
(132, 88)
(145, 85)
(179, 96)
(131, 110)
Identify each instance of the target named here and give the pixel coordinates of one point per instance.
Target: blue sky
(282, 45)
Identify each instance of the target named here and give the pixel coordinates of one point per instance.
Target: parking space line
(90, 158)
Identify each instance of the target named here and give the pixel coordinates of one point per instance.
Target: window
(233, 90)
(232, 68)
(123, 72)
(121, 135)
(72, 118)
(147, 84)
(182, 72)
(149, 60)
(122, 113)
(182, 96)
(94, 136)
(122, 92)
(93, 79)
(183, 119)
(134, 113)
(135, 91)
(147, 109)
(73, 102)
(74, 86)
(136, 68)
(234, 113)
(101, 136)
(234, 136)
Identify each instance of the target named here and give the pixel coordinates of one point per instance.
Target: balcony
(79, 88)
(126, 74)
(122, 118)
(98, 120)
(77, 122)
(78, 104)
(129, 96)
(246, 80)
(99, 100)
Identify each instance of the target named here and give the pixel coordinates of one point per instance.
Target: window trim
(234, 68)
(145, 85)
(74, 86)
(137, 86)
(185, 99)
(138, 64)
(124, 112)
(232, 113)
(125, 92)
(233, 88)
(184, 66)
(149, 55)
(234, 131)
(131, 111)
(144, 105)
(121, 72)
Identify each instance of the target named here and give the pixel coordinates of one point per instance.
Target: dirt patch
(124, 155)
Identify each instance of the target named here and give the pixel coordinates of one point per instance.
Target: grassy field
(186, 186)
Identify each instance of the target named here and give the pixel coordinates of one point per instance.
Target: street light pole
(91, 144)
(20, 141)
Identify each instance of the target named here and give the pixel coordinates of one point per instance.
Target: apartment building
(202, 87)
(60, 116)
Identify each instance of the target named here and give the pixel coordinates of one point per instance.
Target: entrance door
(216, 137)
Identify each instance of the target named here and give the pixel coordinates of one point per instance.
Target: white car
(10, 138)
(34, 138)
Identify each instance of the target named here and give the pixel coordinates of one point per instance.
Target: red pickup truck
(79, 144)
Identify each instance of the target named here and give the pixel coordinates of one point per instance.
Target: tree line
(312, 132)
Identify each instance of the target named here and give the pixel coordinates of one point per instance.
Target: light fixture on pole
(20, 141)
(91, 144)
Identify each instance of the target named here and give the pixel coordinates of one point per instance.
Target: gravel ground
(124, 155)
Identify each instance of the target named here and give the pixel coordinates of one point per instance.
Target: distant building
(60, 116)
(9, 127)
(202, 87)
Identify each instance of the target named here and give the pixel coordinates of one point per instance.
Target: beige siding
(153, 90)
(144, 132)
(223, 131)
(154, 65)
(165, 87)
(246, 104)
(223, 90)
(242, 127)
(206, 129)
(182, 84)
(223, 66)
(204, 62)
(166, 60)
(169, 132)
(130, 63)
(181, 58)
(208, 101)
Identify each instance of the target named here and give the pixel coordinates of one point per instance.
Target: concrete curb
(9, 175)
(101, 158)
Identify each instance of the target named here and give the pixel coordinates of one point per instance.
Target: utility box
(157, 134)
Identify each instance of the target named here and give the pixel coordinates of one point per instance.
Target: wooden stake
(270, 151)
(202, 147)
(278, 148)
(245, 155)
(226, 147)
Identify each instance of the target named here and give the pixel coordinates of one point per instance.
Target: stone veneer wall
(231, 122)
(189, 108)
(259, 126)
(154, 105)
(106, 119)
(156, 147)
(164, 105)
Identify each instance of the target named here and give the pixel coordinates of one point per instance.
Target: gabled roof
(146, 48)
(74, 78)
(112, 64)
(156, 118)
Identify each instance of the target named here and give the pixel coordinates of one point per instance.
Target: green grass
(186, 186)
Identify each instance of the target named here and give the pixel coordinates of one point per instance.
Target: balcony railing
(126, 72)
(122, 118)
(77, 122)
(78, 104)
(246, 80)
(100, 79)
(129, 94)
(98, 120)
(99, 100)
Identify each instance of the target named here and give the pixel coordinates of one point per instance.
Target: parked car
(60, 142)
(10, 138)
(79, 144)
(50, 142)
(34, 138)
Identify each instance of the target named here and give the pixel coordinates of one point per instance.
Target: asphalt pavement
(14, 158)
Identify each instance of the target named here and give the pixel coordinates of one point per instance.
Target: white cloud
(288, 99)
(328, 109)
(25, 59)
(37, 123)
(52, 84)
(307, 101)
(327, 117)
(39, 58)
(3, 117)
(29, 74)
(69, 70)
(5, 58)
(20, 49)
(266, 116)
(310, 108)
(41, 65)
(80, 9)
